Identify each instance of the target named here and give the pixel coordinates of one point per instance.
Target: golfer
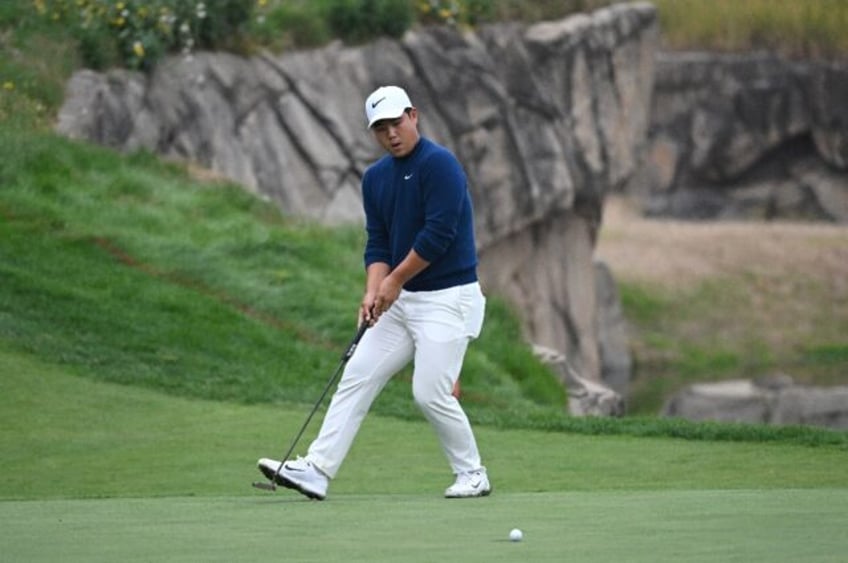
(422, 300)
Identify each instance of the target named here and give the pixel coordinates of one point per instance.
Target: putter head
(269, 486)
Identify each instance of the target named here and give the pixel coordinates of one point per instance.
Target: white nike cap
(386, 102)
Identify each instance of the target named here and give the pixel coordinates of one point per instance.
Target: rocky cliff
(747, 136)
(547, 119)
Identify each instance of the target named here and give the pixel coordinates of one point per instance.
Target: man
(422, 301)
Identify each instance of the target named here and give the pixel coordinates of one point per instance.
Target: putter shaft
(351, 348)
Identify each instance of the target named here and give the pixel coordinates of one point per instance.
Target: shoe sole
(281, 480)
(484, 493)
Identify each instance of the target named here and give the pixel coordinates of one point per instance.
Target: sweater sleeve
(444, 186)
(377, 246)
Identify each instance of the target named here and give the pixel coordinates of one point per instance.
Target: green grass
(69, 437)
(97, 471)
(696, 333)
(123, 269)
(743, 525)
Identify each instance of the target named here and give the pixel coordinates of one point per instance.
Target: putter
(271, 485)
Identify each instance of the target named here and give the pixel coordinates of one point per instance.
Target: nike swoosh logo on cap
(374, 104)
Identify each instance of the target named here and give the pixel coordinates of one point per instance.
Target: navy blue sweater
(421, 202)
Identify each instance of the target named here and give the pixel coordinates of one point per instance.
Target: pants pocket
(473, 309)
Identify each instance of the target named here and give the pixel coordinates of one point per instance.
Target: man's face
(400, 135)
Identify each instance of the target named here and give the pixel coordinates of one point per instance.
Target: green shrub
(358, 21)
(291, 25)
(137, 33)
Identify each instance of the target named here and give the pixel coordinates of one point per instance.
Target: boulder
(774, 400)
(586, 397)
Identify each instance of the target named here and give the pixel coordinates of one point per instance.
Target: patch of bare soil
(680, 254)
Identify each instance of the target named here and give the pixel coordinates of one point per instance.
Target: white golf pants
(431, 329)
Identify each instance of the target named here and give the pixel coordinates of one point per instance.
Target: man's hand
(366, 310)
(383, 286)
(387, 293)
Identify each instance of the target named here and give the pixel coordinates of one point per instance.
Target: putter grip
(351, 348)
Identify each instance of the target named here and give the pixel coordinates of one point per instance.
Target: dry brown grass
(679, 254)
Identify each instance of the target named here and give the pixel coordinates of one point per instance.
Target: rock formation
(775, 400)
(746, 136)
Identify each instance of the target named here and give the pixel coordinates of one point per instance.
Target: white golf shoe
(298, 474)
(470, 484)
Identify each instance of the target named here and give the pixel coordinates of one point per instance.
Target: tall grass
(808, 28)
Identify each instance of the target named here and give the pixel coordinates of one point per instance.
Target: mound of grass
(125, 270)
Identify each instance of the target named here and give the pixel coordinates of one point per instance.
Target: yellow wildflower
(138, 49)
(9, 85)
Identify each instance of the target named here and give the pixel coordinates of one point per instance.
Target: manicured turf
(95, 471)
(707, 525)
(69, 437)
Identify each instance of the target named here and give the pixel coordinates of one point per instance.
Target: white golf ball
(515, 535)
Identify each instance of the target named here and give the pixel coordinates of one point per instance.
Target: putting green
(101, 472)
(707, 525)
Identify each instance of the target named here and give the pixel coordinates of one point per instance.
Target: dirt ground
(679, 254)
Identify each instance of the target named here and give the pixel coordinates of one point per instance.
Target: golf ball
(515, 535)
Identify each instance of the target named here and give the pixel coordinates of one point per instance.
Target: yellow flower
(138, 49)
(40, 7)
(9, 85)
(119, 6)
(263, 3)
(120, 22)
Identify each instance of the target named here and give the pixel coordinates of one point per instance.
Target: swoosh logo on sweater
(407, 176)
